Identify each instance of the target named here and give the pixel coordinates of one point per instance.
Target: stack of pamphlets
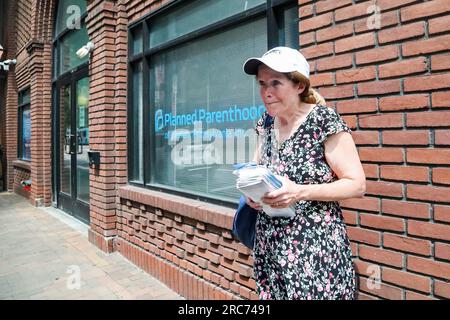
(254, 181)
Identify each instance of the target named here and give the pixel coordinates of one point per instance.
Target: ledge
(34, 44)
(204, 212)
(22, 164)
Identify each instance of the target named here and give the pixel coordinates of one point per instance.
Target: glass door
(82, 140)
(73, 145)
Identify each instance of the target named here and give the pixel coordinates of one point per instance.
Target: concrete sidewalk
(44, 252)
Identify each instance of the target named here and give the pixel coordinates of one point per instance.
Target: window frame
(20, 109)
(57, 79)
(56, 45)
(273, 10)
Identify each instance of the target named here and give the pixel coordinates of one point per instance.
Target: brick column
(11, 94)
(107, 116)
(120, 47)
(40, 76)
(40, 70)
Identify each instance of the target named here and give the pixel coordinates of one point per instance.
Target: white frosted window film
(290, 31)
(194, 16)
(137, 172)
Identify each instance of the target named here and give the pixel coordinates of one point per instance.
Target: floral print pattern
(307, 256)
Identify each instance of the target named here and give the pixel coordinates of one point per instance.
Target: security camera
(5, 64)
(9, 61)
(84, 50)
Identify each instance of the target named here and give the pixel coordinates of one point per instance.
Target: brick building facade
(383, 65)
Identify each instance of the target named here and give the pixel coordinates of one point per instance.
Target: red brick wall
(11, 95)
(391, 85)
(40, 67)
(24, 9)
(21, 173)
(184, 239)
(107, 28)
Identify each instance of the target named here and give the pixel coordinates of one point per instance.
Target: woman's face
(279, 94)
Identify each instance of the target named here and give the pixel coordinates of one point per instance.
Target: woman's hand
(288, 194)
(253, 204)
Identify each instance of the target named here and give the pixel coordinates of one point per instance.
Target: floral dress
(307, 256)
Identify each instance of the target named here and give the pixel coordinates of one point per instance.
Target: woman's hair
(309, 95)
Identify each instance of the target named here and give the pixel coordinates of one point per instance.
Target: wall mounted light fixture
(84, 50)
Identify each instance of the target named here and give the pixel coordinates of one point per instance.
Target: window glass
(193, 16)
(137, 41)
(68, 47)
(289, 33)
(203, 108)
(82, 141)
(54, 64)
(69, 14)
(137, 172)
(65, 157)
(26, 132)
(24, 97)
(24, 113)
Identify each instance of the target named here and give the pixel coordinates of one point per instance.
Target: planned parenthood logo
(232, 114)
(205, 137)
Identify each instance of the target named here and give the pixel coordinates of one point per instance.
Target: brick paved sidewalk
(42, 250)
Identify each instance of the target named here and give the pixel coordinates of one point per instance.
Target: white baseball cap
(281, 59)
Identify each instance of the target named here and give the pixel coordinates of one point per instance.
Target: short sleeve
(332, 123)
(259, 128)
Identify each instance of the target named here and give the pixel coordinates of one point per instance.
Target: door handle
(79, 144)
(72, 144)
(68, 142)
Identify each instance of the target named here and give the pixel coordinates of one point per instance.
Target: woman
(310, 149)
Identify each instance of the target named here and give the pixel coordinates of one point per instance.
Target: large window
(191, 109)
(70, 35)
(24, 136)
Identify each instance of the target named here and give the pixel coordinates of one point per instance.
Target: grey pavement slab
(45, 254)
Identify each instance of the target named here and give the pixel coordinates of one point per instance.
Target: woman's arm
(342, 157)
